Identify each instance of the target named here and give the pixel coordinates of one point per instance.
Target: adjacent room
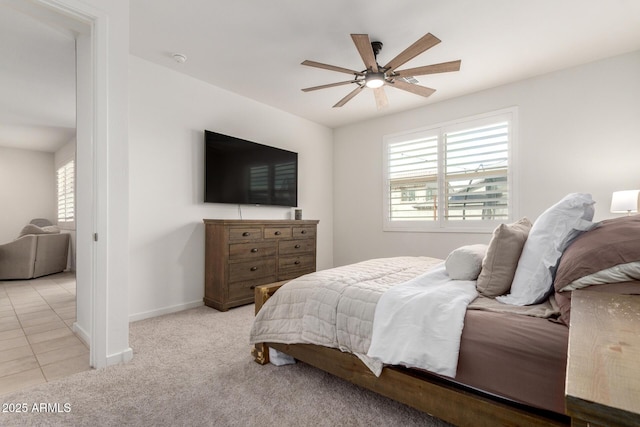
(37, 232)
(169, 170)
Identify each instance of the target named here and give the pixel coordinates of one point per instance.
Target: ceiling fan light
(374, 80)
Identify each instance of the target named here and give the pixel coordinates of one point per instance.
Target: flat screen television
(244, 172)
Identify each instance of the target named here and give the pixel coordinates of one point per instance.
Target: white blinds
(456, 174)
(66, 192)
(476, 173)
(413, 179)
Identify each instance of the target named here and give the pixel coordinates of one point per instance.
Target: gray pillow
(500, 263)
(614, 243)
(34, 229)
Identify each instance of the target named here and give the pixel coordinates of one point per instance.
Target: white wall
(102, 49)
(578, 132)
(168, 115)
(27, 189)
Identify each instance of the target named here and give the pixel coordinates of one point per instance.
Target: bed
(510, 355)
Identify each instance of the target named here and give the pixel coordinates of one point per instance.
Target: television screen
(243, 172)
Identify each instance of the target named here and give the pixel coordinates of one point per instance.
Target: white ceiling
(254, 48)
(37, 83)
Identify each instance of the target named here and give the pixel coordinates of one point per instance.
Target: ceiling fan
(375, 76)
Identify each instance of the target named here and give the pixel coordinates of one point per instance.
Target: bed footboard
(260, 352)
(434, 395)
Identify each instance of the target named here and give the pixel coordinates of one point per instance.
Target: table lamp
(626, 201)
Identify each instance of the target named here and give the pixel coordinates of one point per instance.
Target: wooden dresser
(242, 254)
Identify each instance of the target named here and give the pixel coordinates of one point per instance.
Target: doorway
(40, 314)
(102, 46)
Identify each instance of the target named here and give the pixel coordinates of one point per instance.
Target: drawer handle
(252, 287)
(297, 246)
(254, 268)
(277, 233)
(297, 262)
(246, 233)
(254, 250)
(303, 232)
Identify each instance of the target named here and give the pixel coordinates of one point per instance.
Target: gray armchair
(34, 255)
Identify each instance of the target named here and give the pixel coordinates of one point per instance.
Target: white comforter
(335, 307)
(418, 324)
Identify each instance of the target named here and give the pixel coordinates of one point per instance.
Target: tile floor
(37, 343)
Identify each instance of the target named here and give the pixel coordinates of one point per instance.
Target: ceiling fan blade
(327, 85)
(363, 44)
(409, 87)
(443, 67)
(331, 67)
(425, 42)
(349, 97)
(381, 98)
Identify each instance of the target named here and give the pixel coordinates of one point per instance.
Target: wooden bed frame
(435, 395)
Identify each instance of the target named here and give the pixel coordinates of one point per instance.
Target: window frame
(441, 224)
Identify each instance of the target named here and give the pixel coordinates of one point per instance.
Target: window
(65, 178)
(452, 177)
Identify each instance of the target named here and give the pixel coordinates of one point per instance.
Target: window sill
(476, 229)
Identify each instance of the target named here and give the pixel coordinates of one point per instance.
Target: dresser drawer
(277, 232)
(252, 269)
(292, 274)
(290, 247)
(251, 250)
(302, 262)
(304, 232)
(245, 290)
(238, 234)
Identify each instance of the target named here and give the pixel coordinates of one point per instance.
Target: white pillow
(465, 262)
(550, 235)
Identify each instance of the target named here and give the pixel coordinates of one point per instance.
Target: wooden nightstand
(603, 369)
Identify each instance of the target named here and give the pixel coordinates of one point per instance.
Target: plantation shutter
(476, 164)
(455, 176)
(65, 180)
(413, 179)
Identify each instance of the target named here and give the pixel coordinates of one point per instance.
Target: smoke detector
(179, 58)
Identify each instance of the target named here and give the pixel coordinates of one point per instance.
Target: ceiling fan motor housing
(377, 47)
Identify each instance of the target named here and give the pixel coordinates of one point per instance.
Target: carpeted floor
(194, 368)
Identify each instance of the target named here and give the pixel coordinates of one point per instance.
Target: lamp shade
(625, 201)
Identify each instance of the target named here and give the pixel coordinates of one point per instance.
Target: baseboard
(122, 357)
(81, 333)
(114, 359)
(166, 310)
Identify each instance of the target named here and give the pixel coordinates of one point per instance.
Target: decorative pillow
(499, 265)
(34, 229)
(51, 229)
(465, 262)
(40, 222)
(594, 255)
(552, 232)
